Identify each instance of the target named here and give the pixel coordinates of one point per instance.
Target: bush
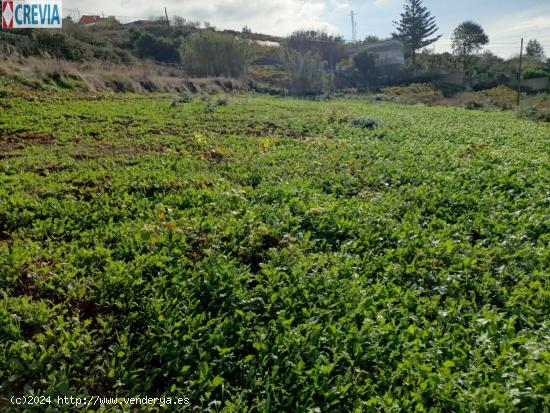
(500, 97)
(448, 89)
(473, 105)
(535, 72)
(157, 48)
(365, 65)
(414, 93)
(537, 109)
(72, 45)
(306, 73)
(208, 53)
(364, 123)
(184, 98)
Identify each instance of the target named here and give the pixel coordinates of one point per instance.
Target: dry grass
(40, 73)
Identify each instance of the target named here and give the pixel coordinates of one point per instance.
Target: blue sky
(505, 21)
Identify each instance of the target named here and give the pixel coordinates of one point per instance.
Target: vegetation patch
(19, 141)
(364, 123)
(265, 256)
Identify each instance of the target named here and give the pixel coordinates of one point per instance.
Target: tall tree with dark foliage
(416, 28)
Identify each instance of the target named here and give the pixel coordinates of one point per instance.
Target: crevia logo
(32, 14)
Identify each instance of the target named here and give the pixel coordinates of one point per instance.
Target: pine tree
(416, 27)
(469, 37)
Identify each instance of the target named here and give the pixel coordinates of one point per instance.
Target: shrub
(414, 93)
(473, 105)
(365, 65)
(157, 48)
(448, 89)
(306, 72)
(500, 97)
(208, 53)
(364, 123)
(536, 109)
(184, 98)
(535, 72)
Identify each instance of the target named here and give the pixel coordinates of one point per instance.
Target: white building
(386, 53)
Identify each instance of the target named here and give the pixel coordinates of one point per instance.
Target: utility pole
(167, 20)
(353, 28)
(520, 71)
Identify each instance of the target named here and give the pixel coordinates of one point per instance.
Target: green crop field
(274, 255)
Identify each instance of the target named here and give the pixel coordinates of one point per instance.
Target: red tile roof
(89, 19)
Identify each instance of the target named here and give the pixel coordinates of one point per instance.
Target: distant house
(89, 20)
(386, 53)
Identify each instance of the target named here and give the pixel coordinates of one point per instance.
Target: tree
(535, 49)
(179, 21)
(370, 39)
(306, 72)
(416, 27)
(365, 65)
(468, 38)
(331, 48)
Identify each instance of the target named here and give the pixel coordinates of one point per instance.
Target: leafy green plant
(271, 256)
(364, 123)
(535, 72)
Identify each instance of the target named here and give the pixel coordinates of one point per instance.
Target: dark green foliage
(364, 123)
(416, 28)
(365, 65)
(468, 38)
(61, 45)
(157, 48)
(535, 49)
(535, 72)
(473, 105)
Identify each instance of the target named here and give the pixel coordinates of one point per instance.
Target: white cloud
(531, 23)
(279, 17)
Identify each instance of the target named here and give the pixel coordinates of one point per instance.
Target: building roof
(89, 19)
(386, 44)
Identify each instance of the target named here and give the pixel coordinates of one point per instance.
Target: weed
(364, 123)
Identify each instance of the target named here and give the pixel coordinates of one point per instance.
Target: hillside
(138, 57)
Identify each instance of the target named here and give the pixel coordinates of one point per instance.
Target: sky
(505, 21)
